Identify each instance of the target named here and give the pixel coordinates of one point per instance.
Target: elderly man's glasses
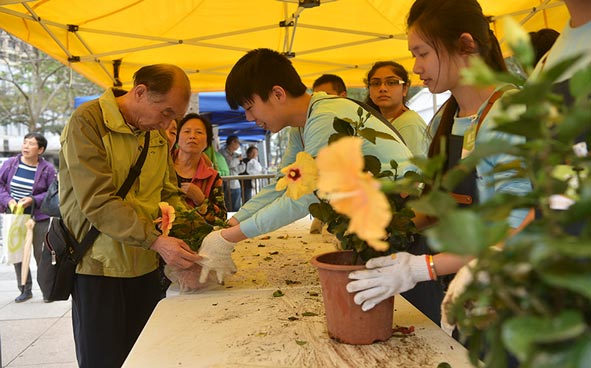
(391, 82)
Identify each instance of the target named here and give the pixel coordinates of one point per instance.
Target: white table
(242, 324)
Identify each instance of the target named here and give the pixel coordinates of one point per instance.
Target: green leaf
(583, 352)
(521, 334)
(567, 354)
(444, 236)
(372, 164)
(573, 125)
(551, 75)
(579, 211)
(394, 165)
(360, 112)
(579, 83)
(343, 126)
(369, 134)
(430, 167)
(322, 211)
(433, 203)
(569, 274)
(300, 342)
(530, 131)
(278, 294)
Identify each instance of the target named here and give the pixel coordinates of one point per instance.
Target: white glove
(457, 286)
(186, 278)
(387, 276)
(217, 256)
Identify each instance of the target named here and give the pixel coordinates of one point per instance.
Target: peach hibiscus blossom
(353, 192)
(300, 177)
(167, 217)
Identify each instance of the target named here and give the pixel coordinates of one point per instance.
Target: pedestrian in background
(236, 166)
(253, 167)
(24, 179)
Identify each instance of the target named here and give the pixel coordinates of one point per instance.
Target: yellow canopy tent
(107, 40)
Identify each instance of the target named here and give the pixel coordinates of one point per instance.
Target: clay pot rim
(318, 264)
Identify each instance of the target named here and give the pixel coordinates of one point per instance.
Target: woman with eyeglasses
(388, 84)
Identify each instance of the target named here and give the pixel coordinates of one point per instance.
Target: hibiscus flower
(353, 192)
(167, 217)
(300, 177)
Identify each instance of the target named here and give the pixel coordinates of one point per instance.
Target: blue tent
(82, 99)
(229, 122)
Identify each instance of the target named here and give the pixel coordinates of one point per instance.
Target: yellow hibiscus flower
(300, 177)
(353, 192)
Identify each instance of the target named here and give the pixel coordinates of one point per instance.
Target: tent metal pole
(49, 32)
(531, 11)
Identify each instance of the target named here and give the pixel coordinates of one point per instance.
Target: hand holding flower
(175, 252)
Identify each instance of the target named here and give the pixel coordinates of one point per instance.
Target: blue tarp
(229, 121)
(82, 99)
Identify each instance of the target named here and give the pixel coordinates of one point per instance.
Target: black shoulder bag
(62, 252)
(51, 203)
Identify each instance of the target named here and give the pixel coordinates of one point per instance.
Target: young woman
(388, 84)
(200, 182)
(444, 36)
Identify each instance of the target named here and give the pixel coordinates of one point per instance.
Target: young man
(117, 285)
(267, 86)
(331, 84)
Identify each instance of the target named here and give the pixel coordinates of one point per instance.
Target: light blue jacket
(271, 209)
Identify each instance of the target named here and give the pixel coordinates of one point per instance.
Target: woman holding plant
(196, 177)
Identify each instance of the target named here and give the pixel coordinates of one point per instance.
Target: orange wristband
(431, 266)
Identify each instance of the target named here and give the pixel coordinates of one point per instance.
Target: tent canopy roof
(107, 41)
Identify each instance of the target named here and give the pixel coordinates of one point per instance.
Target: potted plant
(366, 221)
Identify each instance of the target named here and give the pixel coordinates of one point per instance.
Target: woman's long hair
(441, 23)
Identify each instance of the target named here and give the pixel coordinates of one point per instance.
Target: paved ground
(34, 333)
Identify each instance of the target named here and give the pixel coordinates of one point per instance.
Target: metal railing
(258, 182)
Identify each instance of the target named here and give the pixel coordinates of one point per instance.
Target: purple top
(43, 177)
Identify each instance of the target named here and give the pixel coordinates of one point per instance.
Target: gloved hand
(387, 276)
(457, 286)
(217, 256)
(187, 278)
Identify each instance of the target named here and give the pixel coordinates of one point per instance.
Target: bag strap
(134, 172)
(491, 101)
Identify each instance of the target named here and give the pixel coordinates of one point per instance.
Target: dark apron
(427, 296)
(466, 192)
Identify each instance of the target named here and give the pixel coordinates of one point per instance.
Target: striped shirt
(21, 184)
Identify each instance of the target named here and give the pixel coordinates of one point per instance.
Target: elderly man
(117, 285)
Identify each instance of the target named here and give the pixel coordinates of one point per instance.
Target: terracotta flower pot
(346, 322)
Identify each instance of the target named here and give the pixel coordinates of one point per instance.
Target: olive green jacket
(97, 150)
